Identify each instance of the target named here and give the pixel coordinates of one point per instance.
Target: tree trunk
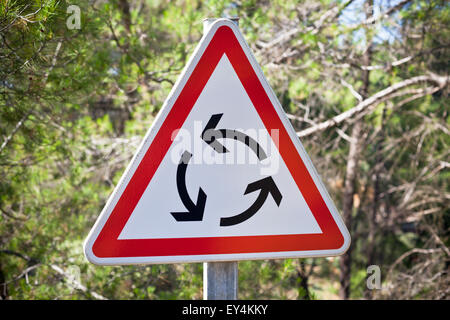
(349, 191)
(372, 214)
(303, 276)
(3, 286)
(351, 173)
(124, 6)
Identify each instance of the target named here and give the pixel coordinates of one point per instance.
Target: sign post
(220, 280)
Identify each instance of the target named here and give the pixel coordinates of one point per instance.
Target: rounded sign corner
(89, 253)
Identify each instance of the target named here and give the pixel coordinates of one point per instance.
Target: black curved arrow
(266, 186)
(210, 135)
(195, 211)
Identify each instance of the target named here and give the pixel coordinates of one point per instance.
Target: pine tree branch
(377, 98)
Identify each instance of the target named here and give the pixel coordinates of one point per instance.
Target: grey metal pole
(220, 279)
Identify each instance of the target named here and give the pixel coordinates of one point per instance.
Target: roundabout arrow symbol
(195, 210)
(266, 186)
(210, 135)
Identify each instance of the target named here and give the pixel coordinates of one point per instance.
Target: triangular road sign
(220, 175)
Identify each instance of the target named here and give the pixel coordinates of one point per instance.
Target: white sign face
(220, 175)
(224, 177)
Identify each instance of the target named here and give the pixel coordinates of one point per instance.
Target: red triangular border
(107, 244)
